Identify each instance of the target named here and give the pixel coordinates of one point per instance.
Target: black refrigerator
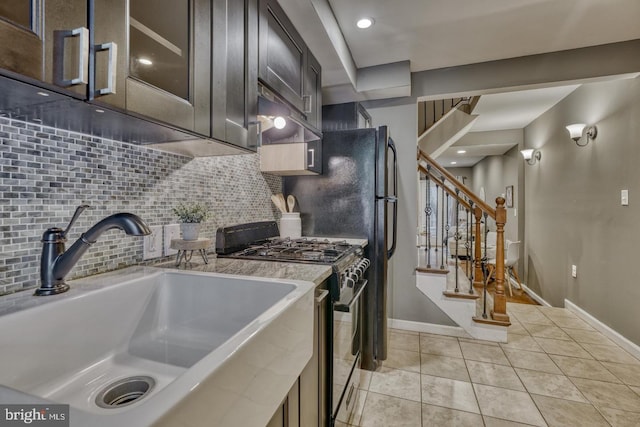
(356, 196)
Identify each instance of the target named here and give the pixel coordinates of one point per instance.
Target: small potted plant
(190, 216)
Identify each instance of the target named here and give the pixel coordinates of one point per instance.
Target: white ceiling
(444, 33)
(499, 115)
(515, 110)
(433, 34)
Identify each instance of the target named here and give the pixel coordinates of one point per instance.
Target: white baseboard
(430, 328)
(535, 296)
(614, 336)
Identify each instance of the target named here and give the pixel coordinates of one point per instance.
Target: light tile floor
(555, 370)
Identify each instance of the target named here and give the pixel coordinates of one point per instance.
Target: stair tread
(431, 270)
(461, 294)
(490, 321)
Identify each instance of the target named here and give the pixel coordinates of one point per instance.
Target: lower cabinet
(288, 415)
(306, 404)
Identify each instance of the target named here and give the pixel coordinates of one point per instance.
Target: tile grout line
(560, 373)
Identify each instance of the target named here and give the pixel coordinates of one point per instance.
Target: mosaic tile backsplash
(45, 173)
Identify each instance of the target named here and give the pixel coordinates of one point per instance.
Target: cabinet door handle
(312, 151)
(83, 56)
(321, 296)
(112, 48)
(308, 106)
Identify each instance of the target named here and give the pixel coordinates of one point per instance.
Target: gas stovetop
(311, 251)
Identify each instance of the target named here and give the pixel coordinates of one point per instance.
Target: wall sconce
(531, 155)
(576, 131)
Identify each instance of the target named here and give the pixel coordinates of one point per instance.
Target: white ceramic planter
(190, 230)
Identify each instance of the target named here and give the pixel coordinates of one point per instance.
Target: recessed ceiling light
(42, 93)
(454, 163)
(145, 61)
(461, 151)
(364, 23)
(98, 110)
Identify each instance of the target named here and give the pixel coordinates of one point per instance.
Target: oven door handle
(346, 308)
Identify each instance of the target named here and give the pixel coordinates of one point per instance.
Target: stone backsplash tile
(45, 173)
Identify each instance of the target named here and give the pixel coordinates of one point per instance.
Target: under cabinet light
(279, 122)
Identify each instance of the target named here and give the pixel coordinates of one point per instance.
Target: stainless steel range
(259, 241)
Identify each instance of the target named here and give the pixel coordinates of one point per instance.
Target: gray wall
(46, 173)
(495, 173)
(573, 211)
(467, 173)
(406, 302)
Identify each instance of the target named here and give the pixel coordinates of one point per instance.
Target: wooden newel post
(499, 311)
(478, 275)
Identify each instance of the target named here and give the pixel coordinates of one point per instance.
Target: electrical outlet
(171, 231)
(574, 271)
(152, 244)
(624, 197)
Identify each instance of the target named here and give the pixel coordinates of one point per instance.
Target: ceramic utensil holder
(290, 225)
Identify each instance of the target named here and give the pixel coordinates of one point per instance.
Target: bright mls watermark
(34, 415)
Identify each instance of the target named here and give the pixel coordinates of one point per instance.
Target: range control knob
(353, 276)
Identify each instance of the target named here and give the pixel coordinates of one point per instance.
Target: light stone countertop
(273, 269)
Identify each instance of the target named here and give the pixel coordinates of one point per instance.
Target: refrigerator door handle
(394, 199)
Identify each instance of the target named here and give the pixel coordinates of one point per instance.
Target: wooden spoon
(276, 201)
(283, 203)
(291, 202)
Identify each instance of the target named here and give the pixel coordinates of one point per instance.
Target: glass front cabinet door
(145, 57)
(160, 64)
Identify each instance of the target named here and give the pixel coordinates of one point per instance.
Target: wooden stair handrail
(447, 189)
(463, 188)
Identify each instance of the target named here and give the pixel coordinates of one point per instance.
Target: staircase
(456, 226)
(464, 307)
(441, 123)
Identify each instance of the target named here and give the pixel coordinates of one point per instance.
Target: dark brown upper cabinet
(313, 92)
(46, 41)
(234, 70)
(286, 66)
(283, 54)
(162, 69)
(143, 57)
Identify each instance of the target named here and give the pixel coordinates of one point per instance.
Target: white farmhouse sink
(219, 349)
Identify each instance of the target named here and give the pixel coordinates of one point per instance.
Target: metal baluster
(447, 228)
(467, 242)
(427, 211)
(484, 268)
(442, 230)
(437, 207)
(470, 257)
(457, 236)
